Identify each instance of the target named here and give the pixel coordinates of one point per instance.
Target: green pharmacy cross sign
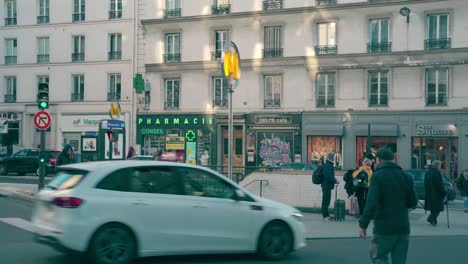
(138, 83)
(190, 136)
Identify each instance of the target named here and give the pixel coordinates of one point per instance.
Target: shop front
(187, 138)
(9, 132)
(273, 139)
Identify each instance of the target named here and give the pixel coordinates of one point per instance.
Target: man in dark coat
(391, 194)
(66, 156)
(462, 184)
(434, 192)
(328, 183)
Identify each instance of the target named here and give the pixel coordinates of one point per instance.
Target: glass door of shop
(237, 148)
(426, 150)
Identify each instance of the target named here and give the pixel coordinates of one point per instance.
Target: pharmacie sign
(173, 121)
(436, 130)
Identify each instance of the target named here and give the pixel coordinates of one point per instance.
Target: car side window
(156, 179)
(116, 181)
(202, 183)
(33, 153)
(21, 154)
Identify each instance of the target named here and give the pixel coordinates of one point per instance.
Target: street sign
(42, 120)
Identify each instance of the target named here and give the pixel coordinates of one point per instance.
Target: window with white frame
(10, 89)
(11, 9)
(221, 37)
(172, 47)
(79, 10)
(379, 35)
(172, 93)
(220, 92)
(172, 4)
(78, 48)
(436, 86)
(114, 89)
(10, 52)
(378, 88)
(115, 46)
(221, 2)
(115, 9)
(325, 89)
(438, 32)
(326, 38)
(272, 90)
(78, 88)
(43, 12)
(42, 49)
(272, 42)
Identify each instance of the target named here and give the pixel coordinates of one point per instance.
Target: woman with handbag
(361, 182)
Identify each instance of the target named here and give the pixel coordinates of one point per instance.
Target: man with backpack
(325, 176)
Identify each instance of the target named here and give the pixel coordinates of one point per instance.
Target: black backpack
(360, 181)
(317, 176)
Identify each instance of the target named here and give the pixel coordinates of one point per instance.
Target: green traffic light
(43, 104)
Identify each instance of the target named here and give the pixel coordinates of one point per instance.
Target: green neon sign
(190, 136)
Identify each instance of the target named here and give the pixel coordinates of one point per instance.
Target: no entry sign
(42, 120)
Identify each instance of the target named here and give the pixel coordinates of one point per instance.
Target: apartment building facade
(82, 48)
(315, 74)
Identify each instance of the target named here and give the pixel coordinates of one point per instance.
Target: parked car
(27, 161)
(143, 157)
(116, 211)
(418, 178)
(298, 166)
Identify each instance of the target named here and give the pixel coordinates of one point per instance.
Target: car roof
(122, 164)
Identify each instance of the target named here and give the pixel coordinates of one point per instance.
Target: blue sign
(90, 134)
(116, 124)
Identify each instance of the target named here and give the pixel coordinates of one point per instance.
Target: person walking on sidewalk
(462, 184)
(434, 192)
(66, 156)
(391, 194)
(361, 182)
(328, 183)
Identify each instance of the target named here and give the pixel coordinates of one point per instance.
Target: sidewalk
(316, 227)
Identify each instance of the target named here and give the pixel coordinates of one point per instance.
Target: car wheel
(112, 244)
(3, 169)
(276, 241)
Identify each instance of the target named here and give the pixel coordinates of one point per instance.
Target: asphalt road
(27, 179)
(17, 246)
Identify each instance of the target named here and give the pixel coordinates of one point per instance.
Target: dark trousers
(361, 198)
(383, 245)
(326, 198)
(433, 217)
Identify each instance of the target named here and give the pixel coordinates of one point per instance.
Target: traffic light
(113, 135)
(43, 96)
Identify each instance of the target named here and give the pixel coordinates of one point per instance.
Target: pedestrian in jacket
(361, 178)
(66, 156)
(328, 183)
(462, 184)
(390, 195)
(434, 192)
(131, 152)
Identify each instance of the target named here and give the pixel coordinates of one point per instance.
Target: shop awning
(321, 129)
(385, 130)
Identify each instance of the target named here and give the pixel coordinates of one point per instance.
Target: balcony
(43, 58)
(272, 103)
(326, 50)
(115, 14)
(325, 2)
(42, 19)
(220, 9)
(10, 21)
(113, 97)
(115, 55)
(272, 53)
(78, 57)
(216, 55)
(171, 105)
(221, 103)
(170, 13)
(442, 43)
(79, 97)
(378, 47)
(272, 4)
(79, 17)
(172, 57)
(10, 59)
(10, 98)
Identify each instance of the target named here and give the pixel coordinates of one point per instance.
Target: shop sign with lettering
(153, 131)
(175, 143)
(175, 121)
(10, 116)
(437, 130)
(274, 120)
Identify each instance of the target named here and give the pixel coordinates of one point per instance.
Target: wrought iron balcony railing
(44, 58)
(223, 103)
(79, 17)
(78, 57)
(271, 53)
(115, 14)
(376, 47)
(113, 96)
(115, 55)
(172, 57)
(325, 2)
(10, 98)
(220, 9)
(441, 43)
(216, 55)
(10, 21)
(169, 13)
(326, 50)
(272, 103)
(78, 97)
(42, 19)
(171, 105)
(10, 60)
(324, 103)
(272, 4)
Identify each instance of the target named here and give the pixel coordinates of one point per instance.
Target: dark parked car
(418, 178)
(298, 166)
(27, 161)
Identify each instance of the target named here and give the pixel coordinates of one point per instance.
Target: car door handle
(140, 203)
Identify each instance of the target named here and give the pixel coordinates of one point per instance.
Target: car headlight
(298, 216)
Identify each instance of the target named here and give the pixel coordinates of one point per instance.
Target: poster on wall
(275, 148)
(89, 144)
(191, 151)
(118, 148)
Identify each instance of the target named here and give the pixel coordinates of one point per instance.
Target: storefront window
(319, 146)
(376, 143)
(9, 139)
(275, 149)
(425, 150)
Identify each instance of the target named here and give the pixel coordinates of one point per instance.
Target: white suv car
(118, 210)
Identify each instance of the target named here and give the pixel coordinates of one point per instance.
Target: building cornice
(420, 58)
(284, 11)
(66, 24)
(85, 63)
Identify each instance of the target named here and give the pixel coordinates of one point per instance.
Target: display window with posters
(319, 146)
(427, 149)
(376, 143)
(275, 148)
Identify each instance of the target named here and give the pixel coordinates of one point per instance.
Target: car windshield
(67, 179)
